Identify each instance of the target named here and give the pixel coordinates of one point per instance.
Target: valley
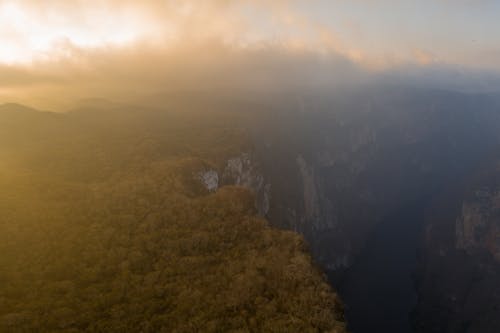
(390, 189)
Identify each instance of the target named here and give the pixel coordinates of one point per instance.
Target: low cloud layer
(58, 51)
(208, 66)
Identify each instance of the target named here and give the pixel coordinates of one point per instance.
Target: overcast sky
(89, 45)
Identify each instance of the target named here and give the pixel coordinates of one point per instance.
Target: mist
(250, 166)
(129, 51)
(132, 74)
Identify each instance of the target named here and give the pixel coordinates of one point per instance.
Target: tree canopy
(104, 227)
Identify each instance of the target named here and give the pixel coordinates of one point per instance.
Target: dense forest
(105, 226)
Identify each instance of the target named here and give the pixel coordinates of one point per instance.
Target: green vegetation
(104, 227)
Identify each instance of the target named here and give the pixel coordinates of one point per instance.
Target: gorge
(395, 189)
(377, 183)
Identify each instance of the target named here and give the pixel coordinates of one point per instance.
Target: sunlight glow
(27, 36)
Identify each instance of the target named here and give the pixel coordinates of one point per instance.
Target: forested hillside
(105, 226)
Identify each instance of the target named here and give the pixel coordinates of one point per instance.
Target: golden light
(27, 34)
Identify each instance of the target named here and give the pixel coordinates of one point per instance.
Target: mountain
(394, 189)
(368, 179)
(118, 222)
(459, 267)
(371, 180)
(362, 175)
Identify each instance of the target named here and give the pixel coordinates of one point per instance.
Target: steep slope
(459, 273)
(349, 170)
(346, 171)
(116, 221)
(369, 178)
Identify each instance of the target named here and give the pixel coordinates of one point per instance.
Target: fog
(239, 165)
(63, 51)
(127, 75)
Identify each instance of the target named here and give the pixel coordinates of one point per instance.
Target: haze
(250, 166)
(56, 52)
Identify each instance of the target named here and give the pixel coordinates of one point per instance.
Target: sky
(79, 48)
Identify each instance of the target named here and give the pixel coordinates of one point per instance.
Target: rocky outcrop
(209, 179)
(459, 270)
(243, 170)
(478, 226)
(318, 216)
(311, 203)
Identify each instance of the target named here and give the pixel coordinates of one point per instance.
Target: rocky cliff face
(243, 170)
(209, 179)
(338, 170)
(335, 170)
(478, 225)
(459, 269)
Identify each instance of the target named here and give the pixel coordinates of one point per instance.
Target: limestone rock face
(210, 179)
(457, 279)
(478, 226)
(311, 204)
(244, 170)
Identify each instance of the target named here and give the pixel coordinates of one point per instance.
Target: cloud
(176, 45)
(208, 65)
(71, 49)
(377, 34)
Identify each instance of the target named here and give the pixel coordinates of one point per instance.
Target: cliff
(478, 225)
(459, 267)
